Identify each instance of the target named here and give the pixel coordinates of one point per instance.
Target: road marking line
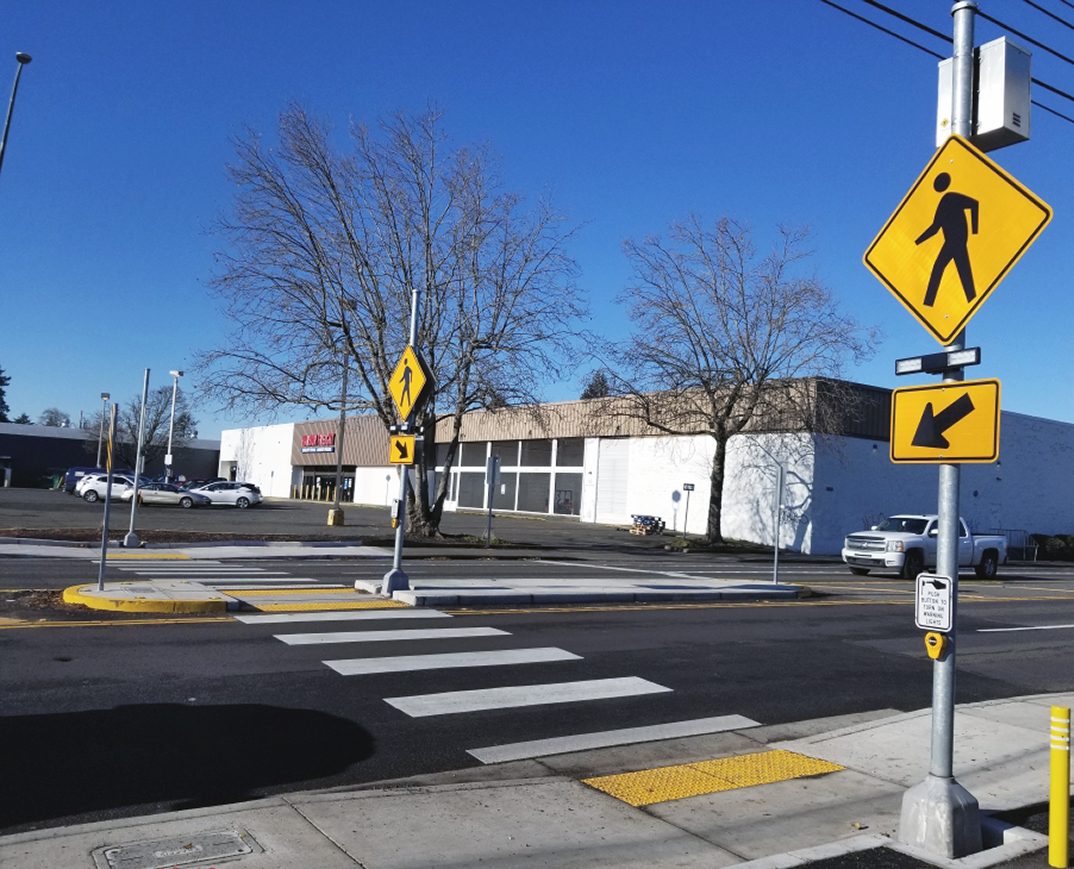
(392, 611)
(609, 738)
(1028, 628)
(511, 697)
(388, 636)
(408, 663)
(666, 783)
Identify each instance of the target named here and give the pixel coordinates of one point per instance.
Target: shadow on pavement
(171, 756)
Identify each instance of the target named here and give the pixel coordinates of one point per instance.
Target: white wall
(657, 468)
(262, 455)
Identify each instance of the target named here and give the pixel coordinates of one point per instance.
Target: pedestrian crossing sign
(409, 383)
(954, 237)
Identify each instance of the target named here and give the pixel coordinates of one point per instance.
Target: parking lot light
(171, 426)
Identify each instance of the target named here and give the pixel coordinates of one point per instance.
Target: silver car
(166, 493)
(239, 495)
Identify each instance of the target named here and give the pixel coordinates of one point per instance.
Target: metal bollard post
(1059, 807)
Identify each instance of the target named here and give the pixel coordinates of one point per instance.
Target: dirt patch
(48, 605)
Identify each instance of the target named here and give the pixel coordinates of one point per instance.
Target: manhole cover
(209, 847)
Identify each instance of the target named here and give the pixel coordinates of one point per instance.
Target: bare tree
(721, 337)
(326, 250)
(55, 417)
(158, 418)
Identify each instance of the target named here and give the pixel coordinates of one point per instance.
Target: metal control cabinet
(1001, 96)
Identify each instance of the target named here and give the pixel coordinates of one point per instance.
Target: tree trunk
(714, 531)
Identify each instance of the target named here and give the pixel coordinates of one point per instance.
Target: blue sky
(633, 114)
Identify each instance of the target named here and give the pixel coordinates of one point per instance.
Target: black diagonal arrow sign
(402, 450)
(946, 423)
(930, 431)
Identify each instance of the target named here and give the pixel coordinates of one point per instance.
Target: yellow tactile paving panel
(659, 785)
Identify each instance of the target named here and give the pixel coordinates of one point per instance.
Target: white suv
(92, 487)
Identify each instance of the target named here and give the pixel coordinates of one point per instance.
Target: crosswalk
(337, 623)
(370, 627)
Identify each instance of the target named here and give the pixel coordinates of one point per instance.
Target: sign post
(409, 387)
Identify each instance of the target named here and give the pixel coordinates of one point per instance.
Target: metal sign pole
(131, 541)
(396, 579)
(939, 814)
(107, 497)
(775, 522)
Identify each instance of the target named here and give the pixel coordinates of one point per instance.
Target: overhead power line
(1051, 15)
(888, 10)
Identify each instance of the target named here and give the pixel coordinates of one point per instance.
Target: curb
(126, 601)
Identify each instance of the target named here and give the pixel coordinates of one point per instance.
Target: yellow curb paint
(304, 607)
(75, 594)
(660, 785)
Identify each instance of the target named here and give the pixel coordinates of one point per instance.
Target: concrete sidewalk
(561, 811)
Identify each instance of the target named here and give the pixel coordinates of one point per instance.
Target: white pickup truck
(907, 544)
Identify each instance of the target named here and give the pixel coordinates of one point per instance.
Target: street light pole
(23, 59)
(171, 426)
(100, 436)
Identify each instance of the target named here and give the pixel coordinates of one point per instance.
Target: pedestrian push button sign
(954, 237)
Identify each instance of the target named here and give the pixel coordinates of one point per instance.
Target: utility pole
(939, 814)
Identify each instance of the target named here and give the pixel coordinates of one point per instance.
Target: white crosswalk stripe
(339, 616)
(411, 663)
(388, 636)
(511, 697)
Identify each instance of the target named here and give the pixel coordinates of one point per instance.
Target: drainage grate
(201, 848)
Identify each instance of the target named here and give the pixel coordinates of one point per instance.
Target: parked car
(92, 487)
(166, 493)
(74, 475)
(197, 484)
(240, 495)
(907, 545)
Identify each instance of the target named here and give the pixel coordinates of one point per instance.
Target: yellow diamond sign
(409, 382)
(946, 423)
(954, 237)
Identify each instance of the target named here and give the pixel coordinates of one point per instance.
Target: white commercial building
(563, 459)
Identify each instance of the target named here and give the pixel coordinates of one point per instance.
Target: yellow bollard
(1059, 808)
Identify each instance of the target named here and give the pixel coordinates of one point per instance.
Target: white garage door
(612, 477)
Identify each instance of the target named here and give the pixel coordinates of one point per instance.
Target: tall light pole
(100, 436)
(171, 426)
(23, 59)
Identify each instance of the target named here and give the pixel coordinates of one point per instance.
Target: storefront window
(507, 451)
(570, 452)
(533, 491)
(568, 496)
(537, 454)
(472, 455)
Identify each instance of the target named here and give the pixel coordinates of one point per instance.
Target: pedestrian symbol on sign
(950, 219)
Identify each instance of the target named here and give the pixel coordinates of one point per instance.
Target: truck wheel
(988, 567)
(860, 571)
(913, 564)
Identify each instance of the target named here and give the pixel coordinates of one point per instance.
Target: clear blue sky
(633, 113)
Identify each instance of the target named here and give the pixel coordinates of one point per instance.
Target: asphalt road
(117, 718)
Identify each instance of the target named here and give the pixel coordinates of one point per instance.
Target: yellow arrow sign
(954, 237)
(409, 382)
(401, 450)
(946, 423)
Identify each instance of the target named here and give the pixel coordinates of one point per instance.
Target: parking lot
(53, 514)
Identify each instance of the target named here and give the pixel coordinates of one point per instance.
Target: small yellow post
(1059, 808)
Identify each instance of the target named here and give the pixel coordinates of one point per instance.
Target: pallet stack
(647, 525)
